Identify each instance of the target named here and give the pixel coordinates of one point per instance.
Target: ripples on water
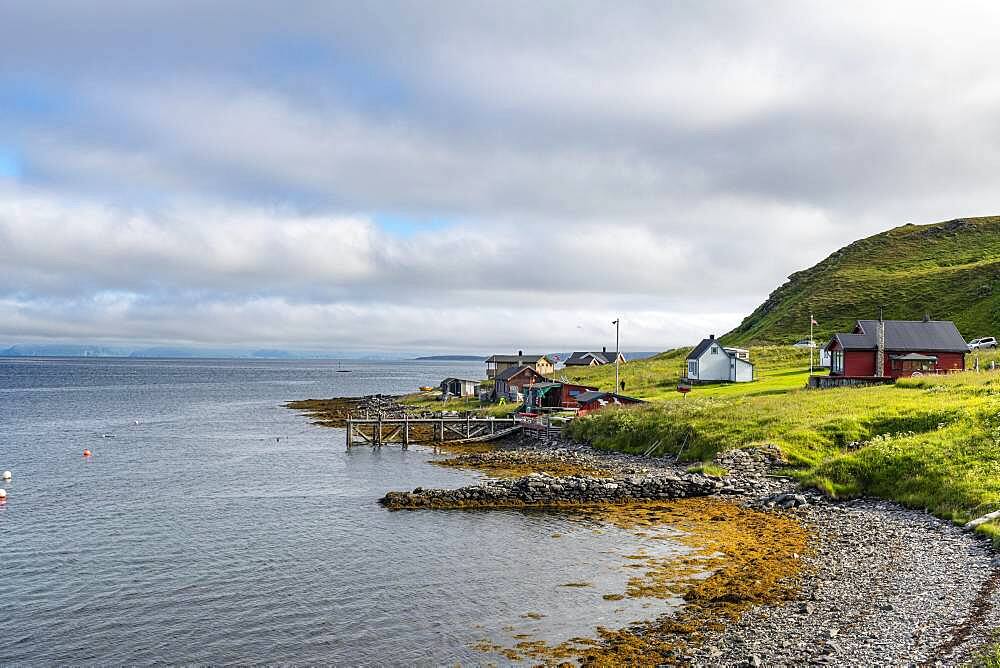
(197, 536)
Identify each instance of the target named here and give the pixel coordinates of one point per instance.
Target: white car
(983, 342)
(804, 343)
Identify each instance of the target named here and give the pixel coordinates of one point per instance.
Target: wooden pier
(401, 431)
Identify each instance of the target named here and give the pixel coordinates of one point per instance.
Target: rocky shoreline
(885, 586)
(541, 490)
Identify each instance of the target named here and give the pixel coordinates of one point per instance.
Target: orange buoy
(87, 453)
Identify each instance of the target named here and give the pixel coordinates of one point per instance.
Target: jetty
(403, 431)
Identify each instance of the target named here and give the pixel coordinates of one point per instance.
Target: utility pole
(812, 343)
(617, 352)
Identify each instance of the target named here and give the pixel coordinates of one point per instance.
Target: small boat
(426, 388)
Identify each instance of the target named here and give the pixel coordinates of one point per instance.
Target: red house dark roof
(921, 336)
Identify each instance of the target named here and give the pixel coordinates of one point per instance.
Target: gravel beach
(885, 585)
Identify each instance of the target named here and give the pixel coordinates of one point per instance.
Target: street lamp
(616, 322)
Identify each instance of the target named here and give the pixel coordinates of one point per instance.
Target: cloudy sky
(467, 176)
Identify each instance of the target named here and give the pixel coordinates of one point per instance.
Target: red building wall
(862, 363)
(859, 363)
(566, 399)
(951, 361)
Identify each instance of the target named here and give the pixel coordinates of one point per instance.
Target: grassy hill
(950, 270)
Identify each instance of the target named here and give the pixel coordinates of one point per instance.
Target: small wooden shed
(458, 387)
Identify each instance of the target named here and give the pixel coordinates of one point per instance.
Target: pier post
(378, 431)
(350, 433)
(406, 432)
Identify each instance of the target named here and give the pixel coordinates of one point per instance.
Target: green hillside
(949, 270)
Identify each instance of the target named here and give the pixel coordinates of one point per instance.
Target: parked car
(983, 342)
(804, 343)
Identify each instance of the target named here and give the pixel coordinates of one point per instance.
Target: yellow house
(498, 363)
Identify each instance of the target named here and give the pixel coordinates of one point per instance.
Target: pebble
(883, 585)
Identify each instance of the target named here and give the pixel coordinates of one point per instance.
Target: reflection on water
(224, 528)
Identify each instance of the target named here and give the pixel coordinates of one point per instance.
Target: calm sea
(212, 525)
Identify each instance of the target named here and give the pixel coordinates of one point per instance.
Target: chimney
(880, 346)
(712, 337)
(604, 349)
(520, 353)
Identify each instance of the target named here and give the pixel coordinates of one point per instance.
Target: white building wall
(714, 366)
(744, 371)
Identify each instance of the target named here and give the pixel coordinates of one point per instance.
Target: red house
(897, 348)
(513, 380)
(591, 402)
(553, 396)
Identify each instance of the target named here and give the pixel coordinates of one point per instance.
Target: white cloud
(670, 162)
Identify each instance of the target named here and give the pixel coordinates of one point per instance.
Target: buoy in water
(3, 494)
(7, 475)
(87, 453)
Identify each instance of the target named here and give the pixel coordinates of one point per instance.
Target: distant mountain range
(167, 352)
(453, 358)
(180, 352)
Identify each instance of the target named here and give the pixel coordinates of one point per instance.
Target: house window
(693, 368)
(837, 361)
(715, 350)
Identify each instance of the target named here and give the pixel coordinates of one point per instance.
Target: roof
(512, 371)
(705, 344)
(545, 385)
(921, 336)
(583, 358)
(514, 359)
(915, 357)
(701, 348)
(586, 397)
(461, 380)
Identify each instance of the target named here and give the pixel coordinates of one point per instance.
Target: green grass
(932, 442)
(949, 270)
(988, 658)
(709, 469)
(778, 368)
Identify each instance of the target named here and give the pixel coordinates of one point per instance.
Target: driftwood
(982, 520)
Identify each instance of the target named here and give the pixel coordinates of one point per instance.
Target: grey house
(594, 358)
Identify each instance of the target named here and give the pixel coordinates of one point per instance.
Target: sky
(464, 176)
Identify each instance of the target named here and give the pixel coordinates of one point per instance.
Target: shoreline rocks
(543, 490)
(885, 585)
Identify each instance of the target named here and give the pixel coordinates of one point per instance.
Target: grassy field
(778, 369)
(932, 442)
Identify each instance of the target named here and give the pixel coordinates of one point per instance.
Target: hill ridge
(949, 270)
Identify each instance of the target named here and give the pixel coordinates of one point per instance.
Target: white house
(458, 387)
(710, 362)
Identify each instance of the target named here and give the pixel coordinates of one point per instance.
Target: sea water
(213, 525)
